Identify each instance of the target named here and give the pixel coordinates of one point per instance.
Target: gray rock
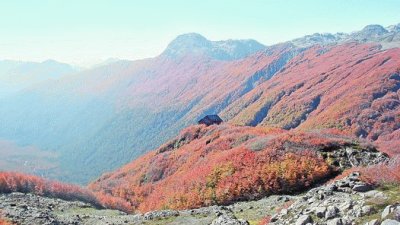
(361, 187)
(366, 210)
(390, 222)
(335, 221)
(303, 220)
(228, 219)
(397, 213)
(320, 212)
(346, 206)
(160, 214)
(374, 194)
(331, 212)
(388, 209)
(372, 222)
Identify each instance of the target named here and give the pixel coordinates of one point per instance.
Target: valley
(301, 132)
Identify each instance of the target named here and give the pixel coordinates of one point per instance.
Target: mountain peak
(196, 44)
(190, 38)
(374, 29)
(394, 28)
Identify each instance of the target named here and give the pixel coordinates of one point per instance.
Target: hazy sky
(88, 31)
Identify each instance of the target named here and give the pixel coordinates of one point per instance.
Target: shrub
(385, 173)
(220, 167)
(5, 222)
(18, 182)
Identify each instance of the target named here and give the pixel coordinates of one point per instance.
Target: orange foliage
(5, 222)
(220, 165)
(18, 182)
(265, 220)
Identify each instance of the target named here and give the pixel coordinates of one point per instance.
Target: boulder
(361, 187)
(388, 209)
(331, 212)
(160, 214)
(320, 212)
(228, 219)
(373, 222)
(390, 222)
(303, 220)
(335, 221)
(366, 210)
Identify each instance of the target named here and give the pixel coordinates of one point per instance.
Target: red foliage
(220, 165)
(265, 220)
(383, 173)
(18, 182)
(350, 87)
(5, 222)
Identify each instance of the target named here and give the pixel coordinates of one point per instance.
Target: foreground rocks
(32, 209)
(343, 202)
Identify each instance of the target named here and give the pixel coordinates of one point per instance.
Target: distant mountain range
(99, 119)
(370, 33)
(17, 75)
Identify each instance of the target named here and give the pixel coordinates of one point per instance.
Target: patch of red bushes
(220, 165)
(4, 221)
(18, 182)
(386, 173)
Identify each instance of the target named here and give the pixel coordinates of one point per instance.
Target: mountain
(99, 119)
(105, 112)
(17, 75)
(388, 37)
(195, 44)
(353, 87)
(296, 115)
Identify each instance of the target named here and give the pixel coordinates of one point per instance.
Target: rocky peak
(374, 29)
(317, 38)
(394, 28)
(196, 44)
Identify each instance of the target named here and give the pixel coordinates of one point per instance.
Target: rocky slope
(343, 202)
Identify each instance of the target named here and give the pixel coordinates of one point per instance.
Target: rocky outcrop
(228, 219)
(353, 156)
(343, 202)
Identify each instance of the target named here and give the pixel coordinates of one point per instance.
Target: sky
(86, 32)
